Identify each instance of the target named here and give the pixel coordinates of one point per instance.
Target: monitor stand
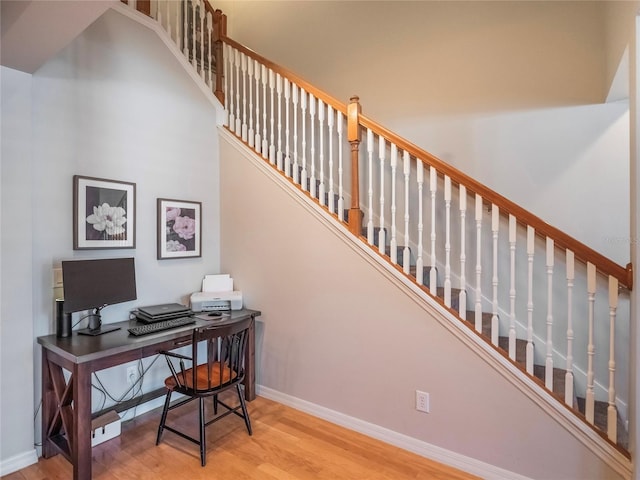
(95, 326)
(98, 331)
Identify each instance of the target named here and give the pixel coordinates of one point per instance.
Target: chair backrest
(225, 351)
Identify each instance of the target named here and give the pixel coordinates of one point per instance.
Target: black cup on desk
(63, 320)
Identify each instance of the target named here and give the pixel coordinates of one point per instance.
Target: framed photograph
(104, 213)
(179, 229)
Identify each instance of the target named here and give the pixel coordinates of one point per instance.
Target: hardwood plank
(286, 445)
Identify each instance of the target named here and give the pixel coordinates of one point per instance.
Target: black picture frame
(179, 229)
(104, 213)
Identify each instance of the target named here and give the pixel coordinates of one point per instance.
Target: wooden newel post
(219, 31)
(353, 135)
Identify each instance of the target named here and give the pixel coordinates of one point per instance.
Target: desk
(66, 406)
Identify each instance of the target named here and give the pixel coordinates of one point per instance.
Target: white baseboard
(18, 462)
(424, 449)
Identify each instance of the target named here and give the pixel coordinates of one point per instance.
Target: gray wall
(114, 104)
(16, 262)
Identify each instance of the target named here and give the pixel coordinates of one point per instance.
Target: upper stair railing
(561, 308)
(414, 210)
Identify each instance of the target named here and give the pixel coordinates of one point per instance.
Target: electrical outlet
(422, 401)
(132, 374)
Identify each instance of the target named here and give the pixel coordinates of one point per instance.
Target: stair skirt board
(424, 449)
(607, 452)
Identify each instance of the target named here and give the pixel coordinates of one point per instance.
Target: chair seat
(205, 378)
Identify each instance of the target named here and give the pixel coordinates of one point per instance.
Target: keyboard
(161, 325)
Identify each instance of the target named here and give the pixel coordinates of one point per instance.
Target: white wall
(114, 104)
(336, 333)
(16, 306)
(634, 359)
(568, 165)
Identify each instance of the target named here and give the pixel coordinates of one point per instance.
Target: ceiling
(32, 31)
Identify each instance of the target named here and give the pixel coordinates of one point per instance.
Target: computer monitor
(95, 284)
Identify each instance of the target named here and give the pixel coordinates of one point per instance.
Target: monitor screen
(94, 284)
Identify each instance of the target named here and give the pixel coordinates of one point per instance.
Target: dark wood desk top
(83, 348)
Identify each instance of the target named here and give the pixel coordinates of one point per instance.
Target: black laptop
(155, 313)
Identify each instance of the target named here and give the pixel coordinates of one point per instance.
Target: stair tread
(600, 420)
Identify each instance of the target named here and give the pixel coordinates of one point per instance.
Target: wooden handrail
(524, 217)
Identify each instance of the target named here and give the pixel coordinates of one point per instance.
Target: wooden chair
(224, 369)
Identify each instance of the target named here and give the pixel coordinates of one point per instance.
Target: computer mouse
(214, 314)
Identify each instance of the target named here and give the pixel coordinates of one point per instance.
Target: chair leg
(215, 404)
(243, 404)
(203, 442)
(163, 418)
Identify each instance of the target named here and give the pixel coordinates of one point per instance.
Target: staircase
(539, 371)
(429, 222)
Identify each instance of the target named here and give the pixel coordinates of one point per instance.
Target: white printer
(217, 294)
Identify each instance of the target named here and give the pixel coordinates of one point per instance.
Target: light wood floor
(286, 444)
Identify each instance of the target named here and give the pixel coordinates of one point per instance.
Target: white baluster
(512, 288)
(193, 34)
(303, 107)
(548, 366)
(321, 192)
(258, 138)
(447, 241)
(209, 42)
(406, 252)
(200, 10)
(296, 168)
(330, 124)
(287, 153)
(433, 186)
(382, 241)
(185, 23)
(238, 125)
(568, 377)
(340, 121)
(370, 187)
(243, 67)
(312, 128)
(478, 304)
(168, 17)
(394, 241)
(227, 102)
(612, 412)
(531, 237)
(462, 308)
(420, 259)
(179, 27)
(272, 145)
(279, 151)
(495, 224)
(251, 132)
(265, 143)
(591, 298)
(232, 97)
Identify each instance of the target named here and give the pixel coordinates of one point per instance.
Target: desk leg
(81, 442)
(49, 408)
(250, 364)
(66, 414)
